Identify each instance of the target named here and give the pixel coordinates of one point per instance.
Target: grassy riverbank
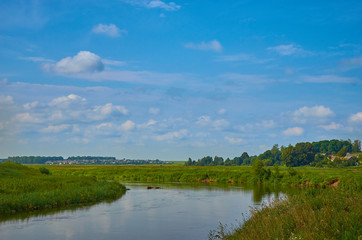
(333, 213)
(25, 189)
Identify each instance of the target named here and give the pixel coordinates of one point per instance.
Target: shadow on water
(24, 216)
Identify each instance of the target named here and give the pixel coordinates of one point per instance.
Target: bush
(44, 170)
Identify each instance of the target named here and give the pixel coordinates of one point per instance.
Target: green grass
(333, 213)
(303, 176)
(24, 189)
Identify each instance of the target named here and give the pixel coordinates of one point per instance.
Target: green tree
(356, 146)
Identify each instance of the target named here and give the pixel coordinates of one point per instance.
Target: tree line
(304, 153)
(43, 160)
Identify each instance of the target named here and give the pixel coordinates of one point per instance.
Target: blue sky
(171, 80)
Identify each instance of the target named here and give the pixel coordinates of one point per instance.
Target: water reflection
(175, 211)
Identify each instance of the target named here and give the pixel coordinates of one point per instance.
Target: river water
(175, 211)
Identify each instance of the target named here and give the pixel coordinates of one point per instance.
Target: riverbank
(333, 213)
(25, 189)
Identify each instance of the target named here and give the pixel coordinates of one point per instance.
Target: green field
(24, 189)
(299, 176)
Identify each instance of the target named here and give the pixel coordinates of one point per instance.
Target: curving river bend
(176, 211)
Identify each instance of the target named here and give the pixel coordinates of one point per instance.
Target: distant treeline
(42, 160)
(314, 154)
(90, 158)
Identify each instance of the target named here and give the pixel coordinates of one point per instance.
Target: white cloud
(83, 62)
(356, 118)
(172, 135)
(294, 131)
(213, 45)
(159, 4)
(304, 114)
(150, 123)
(332, 126)
(37, 59)
(27, 118)
(154, 111)
(329, 79)
(290, 49)
(6, 100)
(217, 124)
(109, 108)
(65, 101)
(31, 105)
(128, 125)
(316, 111)
(113, 62)
(234, 140)
(110, 30)
(171, 6)
(56, 128)
(105, 125)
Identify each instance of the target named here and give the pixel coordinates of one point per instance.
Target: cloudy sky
(171, 80)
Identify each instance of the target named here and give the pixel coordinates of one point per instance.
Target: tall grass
(24, 189)
(333, 213)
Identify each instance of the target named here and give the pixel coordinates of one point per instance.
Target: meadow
(24, 189)
(294, 177)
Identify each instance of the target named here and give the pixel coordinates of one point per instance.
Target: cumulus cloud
(172, 135)
(356, 118)
(109, 108)
(83, 62)
(294, 131)
(65, 101)
(213, 45)
(128, 125)
(304, 114)
(234, 140)
(171, 6)
(110, 30)
(331, 126)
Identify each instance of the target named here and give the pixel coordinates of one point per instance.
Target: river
(175, 211)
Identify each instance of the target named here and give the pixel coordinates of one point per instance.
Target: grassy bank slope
(314, 214)
(24, 189)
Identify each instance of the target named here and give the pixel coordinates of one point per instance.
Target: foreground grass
(333, 213)
(24, 189)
